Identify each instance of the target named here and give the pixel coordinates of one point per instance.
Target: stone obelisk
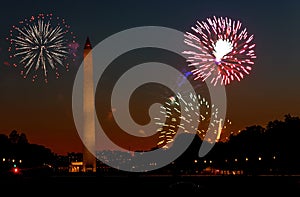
(89, 159)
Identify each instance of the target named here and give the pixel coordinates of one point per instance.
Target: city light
(16, 170)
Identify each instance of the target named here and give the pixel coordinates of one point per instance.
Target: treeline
(15, 150)
(254, 150)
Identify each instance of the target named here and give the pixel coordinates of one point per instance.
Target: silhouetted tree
(254, 150)
(14, 136)
(22, 139)
(15, 147)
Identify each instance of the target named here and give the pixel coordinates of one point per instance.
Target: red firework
(223, 50)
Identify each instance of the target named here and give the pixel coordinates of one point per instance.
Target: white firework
(173, 119)
(40, 44)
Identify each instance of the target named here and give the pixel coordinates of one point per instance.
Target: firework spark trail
(199, 107)
(222, 50)
(41, 43)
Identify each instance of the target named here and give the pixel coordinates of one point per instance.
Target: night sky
(44, 111)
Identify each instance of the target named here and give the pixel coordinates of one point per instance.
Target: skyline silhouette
(268, 141)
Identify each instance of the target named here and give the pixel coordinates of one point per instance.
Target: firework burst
(200, 108)
(40, 43)
(223, 50)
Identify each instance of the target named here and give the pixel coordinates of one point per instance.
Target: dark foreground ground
(131, 185)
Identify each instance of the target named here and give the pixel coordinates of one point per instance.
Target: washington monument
(89, 159)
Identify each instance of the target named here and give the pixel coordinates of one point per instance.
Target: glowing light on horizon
(40, 43)
(223, 51)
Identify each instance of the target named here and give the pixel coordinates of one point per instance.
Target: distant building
(75, 162)
(72, 162)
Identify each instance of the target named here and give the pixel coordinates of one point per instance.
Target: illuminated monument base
(89, 161)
